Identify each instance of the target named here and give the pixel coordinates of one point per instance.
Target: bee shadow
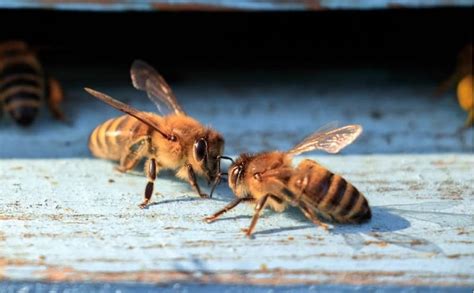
(384, 226)
(382, 221)
(166, 201)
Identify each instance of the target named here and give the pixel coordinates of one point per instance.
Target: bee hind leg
(258, 209)
(312, 216)
(134, 154)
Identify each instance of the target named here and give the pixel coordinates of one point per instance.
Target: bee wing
(329, 139)
(142, 116)
(432, 212)
(146, 78)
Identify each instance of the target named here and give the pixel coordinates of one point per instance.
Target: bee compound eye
(236, 172)
(200, 149)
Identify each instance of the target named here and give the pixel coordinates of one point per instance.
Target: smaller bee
(269, 179)
(23, 84)
(463, 77)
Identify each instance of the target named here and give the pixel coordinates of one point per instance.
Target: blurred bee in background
(269, 179)
(463, 77)
(173, 141)
(24, 85)
(466, 98)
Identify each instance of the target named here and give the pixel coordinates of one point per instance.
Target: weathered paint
(214, 288)
(224, 5)
(66, 220)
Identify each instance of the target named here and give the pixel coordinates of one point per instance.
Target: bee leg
(151, 171)
(55, 98)
(135, 152)
(227, 208)
(193, 181)
(312, 216)
(470, 119)
(258, 208)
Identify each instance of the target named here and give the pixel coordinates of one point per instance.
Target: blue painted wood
(77, 219)
(228, 288)
(269, 5)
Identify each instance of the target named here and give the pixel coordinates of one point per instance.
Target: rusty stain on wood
(167, 6)
(226, 5)
(264, 276)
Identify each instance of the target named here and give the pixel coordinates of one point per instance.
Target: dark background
(397, 37)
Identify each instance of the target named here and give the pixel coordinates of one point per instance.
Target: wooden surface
(227, 5)
(77, 219)
(66, 217)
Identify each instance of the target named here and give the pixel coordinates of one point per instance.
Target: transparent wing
(329, 139)
(142, 116)
(146, 78)
(408, 241)
(430, 212)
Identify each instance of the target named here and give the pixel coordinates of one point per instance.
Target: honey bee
(465, 94)
(269, 179)
(463, 77)
(23, 84)
(173, 141)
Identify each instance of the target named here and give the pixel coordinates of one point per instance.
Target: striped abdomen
(22, 82)
(112, 138)
(329, 194)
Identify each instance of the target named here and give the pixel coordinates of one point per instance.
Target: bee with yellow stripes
(172, 141)
(24, 86)
(268, 179)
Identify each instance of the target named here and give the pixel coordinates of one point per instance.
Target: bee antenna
(218, 179)
(226, 158)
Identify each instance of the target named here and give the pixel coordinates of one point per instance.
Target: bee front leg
(258, 208)
(151, 170)
(193, 181)
(227, 208)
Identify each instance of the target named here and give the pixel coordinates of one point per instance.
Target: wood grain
(77, 220)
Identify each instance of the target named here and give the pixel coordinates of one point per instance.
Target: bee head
(237, 172)
(235, 175)
(206, 150)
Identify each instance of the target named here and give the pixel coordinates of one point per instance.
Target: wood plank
(225, 5)
(77, 219)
